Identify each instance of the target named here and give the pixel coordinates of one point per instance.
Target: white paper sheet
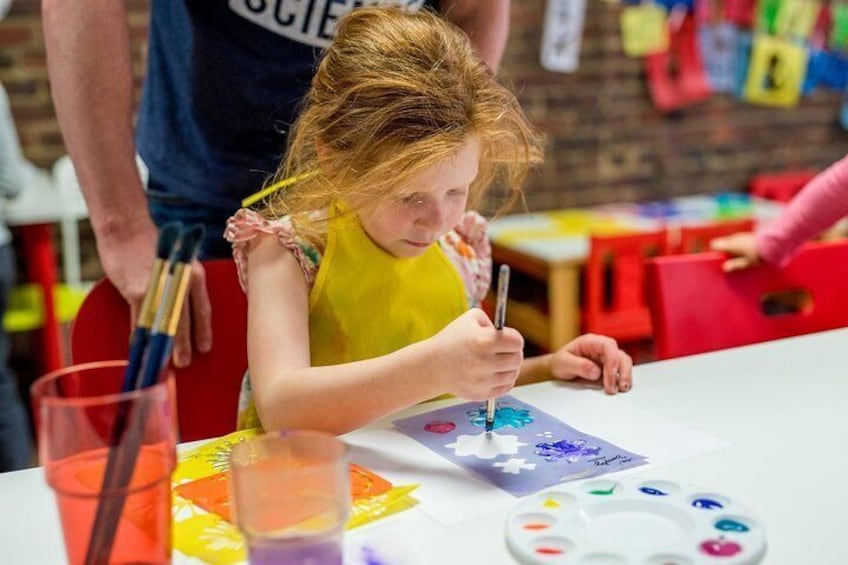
(450, 494)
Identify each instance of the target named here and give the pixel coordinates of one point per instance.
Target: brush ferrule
(147, 312)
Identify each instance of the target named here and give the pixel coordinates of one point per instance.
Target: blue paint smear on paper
(504, 416)
(596, 456)
(571, 451)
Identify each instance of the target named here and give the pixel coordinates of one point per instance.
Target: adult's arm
(90, 69)
(485, 21)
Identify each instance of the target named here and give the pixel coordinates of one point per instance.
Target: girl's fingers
(508, 361)
(617, 372)
(736, 264)
(625, 379)
(571, 366)
(501, 390)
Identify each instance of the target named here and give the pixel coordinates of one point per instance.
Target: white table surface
(782, 405)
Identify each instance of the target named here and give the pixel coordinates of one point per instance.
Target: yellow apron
(366, 303)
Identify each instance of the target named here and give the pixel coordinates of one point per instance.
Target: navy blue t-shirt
(223, 85)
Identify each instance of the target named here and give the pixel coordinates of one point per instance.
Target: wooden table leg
(563, 304)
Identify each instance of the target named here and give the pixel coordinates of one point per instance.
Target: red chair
(779, 186)
(696, 239)
(614, 293)
(208, 389)
(696, 307)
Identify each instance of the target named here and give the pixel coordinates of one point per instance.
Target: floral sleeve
(246, 225)
(468, 247)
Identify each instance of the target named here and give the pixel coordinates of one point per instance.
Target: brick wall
(607, 143)
(605, 140)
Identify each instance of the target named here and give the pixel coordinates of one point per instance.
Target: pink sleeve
(473, 245)
(820, 204)
(246, 225)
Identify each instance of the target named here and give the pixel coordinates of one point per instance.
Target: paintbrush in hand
(500, 320)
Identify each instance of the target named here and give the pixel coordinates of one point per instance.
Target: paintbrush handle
(500, 320)
(156, 359)
(127, 438)
(138, 342)
(129, 427)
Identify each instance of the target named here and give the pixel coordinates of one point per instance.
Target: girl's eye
(414, 198)
(457, 192)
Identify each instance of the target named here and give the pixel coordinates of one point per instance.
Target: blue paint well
(707, 504)
(653, 491)
(728, 525)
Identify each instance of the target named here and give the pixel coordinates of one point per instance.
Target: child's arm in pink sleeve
(820, 204)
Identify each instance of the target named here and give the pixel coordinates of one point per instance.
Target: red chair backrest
(779, 186)
(614, 291)
(696, 307)
(696, 239)
(208, 389)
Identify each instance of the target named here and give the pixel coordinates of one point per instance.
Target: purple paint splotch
(571, 451)
(370, 557)
(521, 426)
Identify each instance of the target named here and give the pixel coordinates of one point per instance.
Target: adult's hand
(127, 259)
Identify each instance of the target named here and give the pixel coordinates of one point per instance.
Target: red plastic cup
(76, 411)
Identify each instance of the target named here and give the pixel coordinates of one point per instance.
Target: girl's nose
(432, 216)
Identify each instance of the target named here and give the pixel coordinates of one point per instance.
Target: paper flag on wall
(563, 35)
(708, 12)
(719, 47)
(767, 11)
(677, 78)
(528, 449)
(669, 5)
(744, 43)
(839, 29)
(775, 72)
(740, 12)
(644, 30)
(796, 18)
(843, 113)
(827, 69)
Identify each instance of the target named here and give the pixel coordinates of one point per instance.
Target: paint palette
(634, 522)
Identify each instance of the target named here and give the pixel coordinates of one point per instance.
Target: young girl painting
(365, 276)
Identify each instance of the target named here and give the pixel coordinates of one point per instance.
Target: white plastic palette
(634, 522)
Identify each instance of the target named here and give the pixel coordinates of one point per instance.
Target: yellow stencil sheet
(212, 539)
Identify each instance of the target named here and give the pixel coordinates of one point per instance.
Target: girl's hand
(742, 246)
(475, 361)
(594, 357)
